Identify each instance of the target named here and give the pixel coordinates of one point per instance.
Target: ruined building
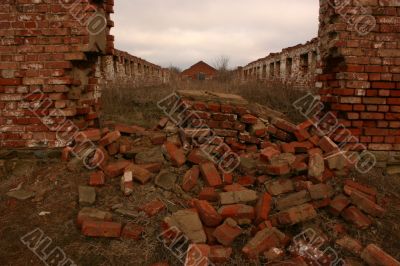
(294, 66)
(52, 61)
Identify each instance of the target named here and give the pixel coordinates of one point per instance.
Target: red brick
(110, 138)
(116, 169)
(227, 232)
(246, 181)
(327, 145)
(209, 194)
(373, 255)
(249, 119)
(297, 214)
(360, 187)
(132, 231)
(190, 178)
(237, 212)
(153, 208)
(268, 153)
(214, 107)
(97, 178)
(125, 129)
(176, 155)
(354, 215)
(220, 254)
(197, 255)
(284, 125)
(91, 134)
(338, 204)
(366, 205)
(93, 215)
(263, 241)
(234, 187)
(139, 173)
(278, 168)
(211, 174)
(207, 213)
(263, 207)
(101, 229)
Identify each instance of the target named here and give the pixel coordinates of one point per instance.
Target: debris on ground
(261, 179)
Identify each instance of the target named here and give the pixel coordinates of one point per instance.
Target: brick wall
(48, 51)
(294, 66)
(360, 80)
(122, 66)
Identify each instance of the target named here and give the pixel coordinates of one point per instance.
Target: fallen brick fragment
(360, 187)
(263, 207)
(65, 154)
(280, 186)
(321, 191)
(349, 190)
(176, 155)
(116, 169)
(132, 231)
(93, 214)
(127, 183)
(220, 254)
(209, 194)
(278, 168)
(97, 178)
(227, 232)
(263, 241)
(139, 173)
(297, 214)
(126, 129)
(242, 196)
(188, 222)
(197, 255)
(101, 229)
(190, 178)
(374, 256)
(274, 255)
(338, 204)
(354, 215)
(110, 138)
(316, 166)
(152, 167)
(88, 135)
(293, 199)
(238, 212)
(366, 205)
(246, 181)
(351, 245)
(153, 208)
(211, 174)
(234, 187)
(208, 214)
(327, 145)
(249, 119)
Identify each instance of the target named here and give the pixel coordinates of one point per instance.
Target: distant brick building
(199, 71)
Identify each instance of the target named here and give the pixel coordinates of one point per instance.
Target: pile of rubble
(286, 176)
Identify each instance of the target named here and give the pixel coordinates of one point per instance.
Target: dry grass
(126, 103)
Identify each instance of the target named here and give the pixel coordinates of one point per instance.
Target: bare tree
(221, 63)
(175, 69)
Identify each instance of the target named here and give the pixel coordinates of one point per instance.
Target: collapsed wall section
(295, 66)
(360, 80)
(48, 57)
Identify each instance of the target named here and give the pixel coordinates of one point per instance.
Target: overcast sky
(183, 32)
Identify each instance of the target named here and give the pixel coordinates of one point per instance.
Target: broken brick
(190, 179)
(297, 214)
(211, 174)
(249, 119)
(327, 145)
(237, 212)
(338, 204)
(96, 178)
(101, 228)
(176, 155)
(227, 232)
(349, 244)
(366, 205)
(197, 255)
(207, 213)
(153, 208)
(373, 255)
(234, 187)
(241, 196)
(209, 194)
(132, 231)
(116, 169)
(354, 215)
(110, 138)
(263, 241)
(321, 191)
(263, 207)
(220, 254)
(139, 173)
(93, 214)
(280, 186)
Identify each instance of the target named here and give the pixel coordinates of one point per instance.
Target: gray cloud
(182, 32)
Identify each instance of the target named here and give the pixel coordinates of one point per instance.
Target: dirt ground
(55, 184)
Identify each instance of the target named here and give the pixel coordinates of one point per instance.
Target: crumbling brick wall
(360, 80)
(295, 66)
(122, 66)
(48, 83)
